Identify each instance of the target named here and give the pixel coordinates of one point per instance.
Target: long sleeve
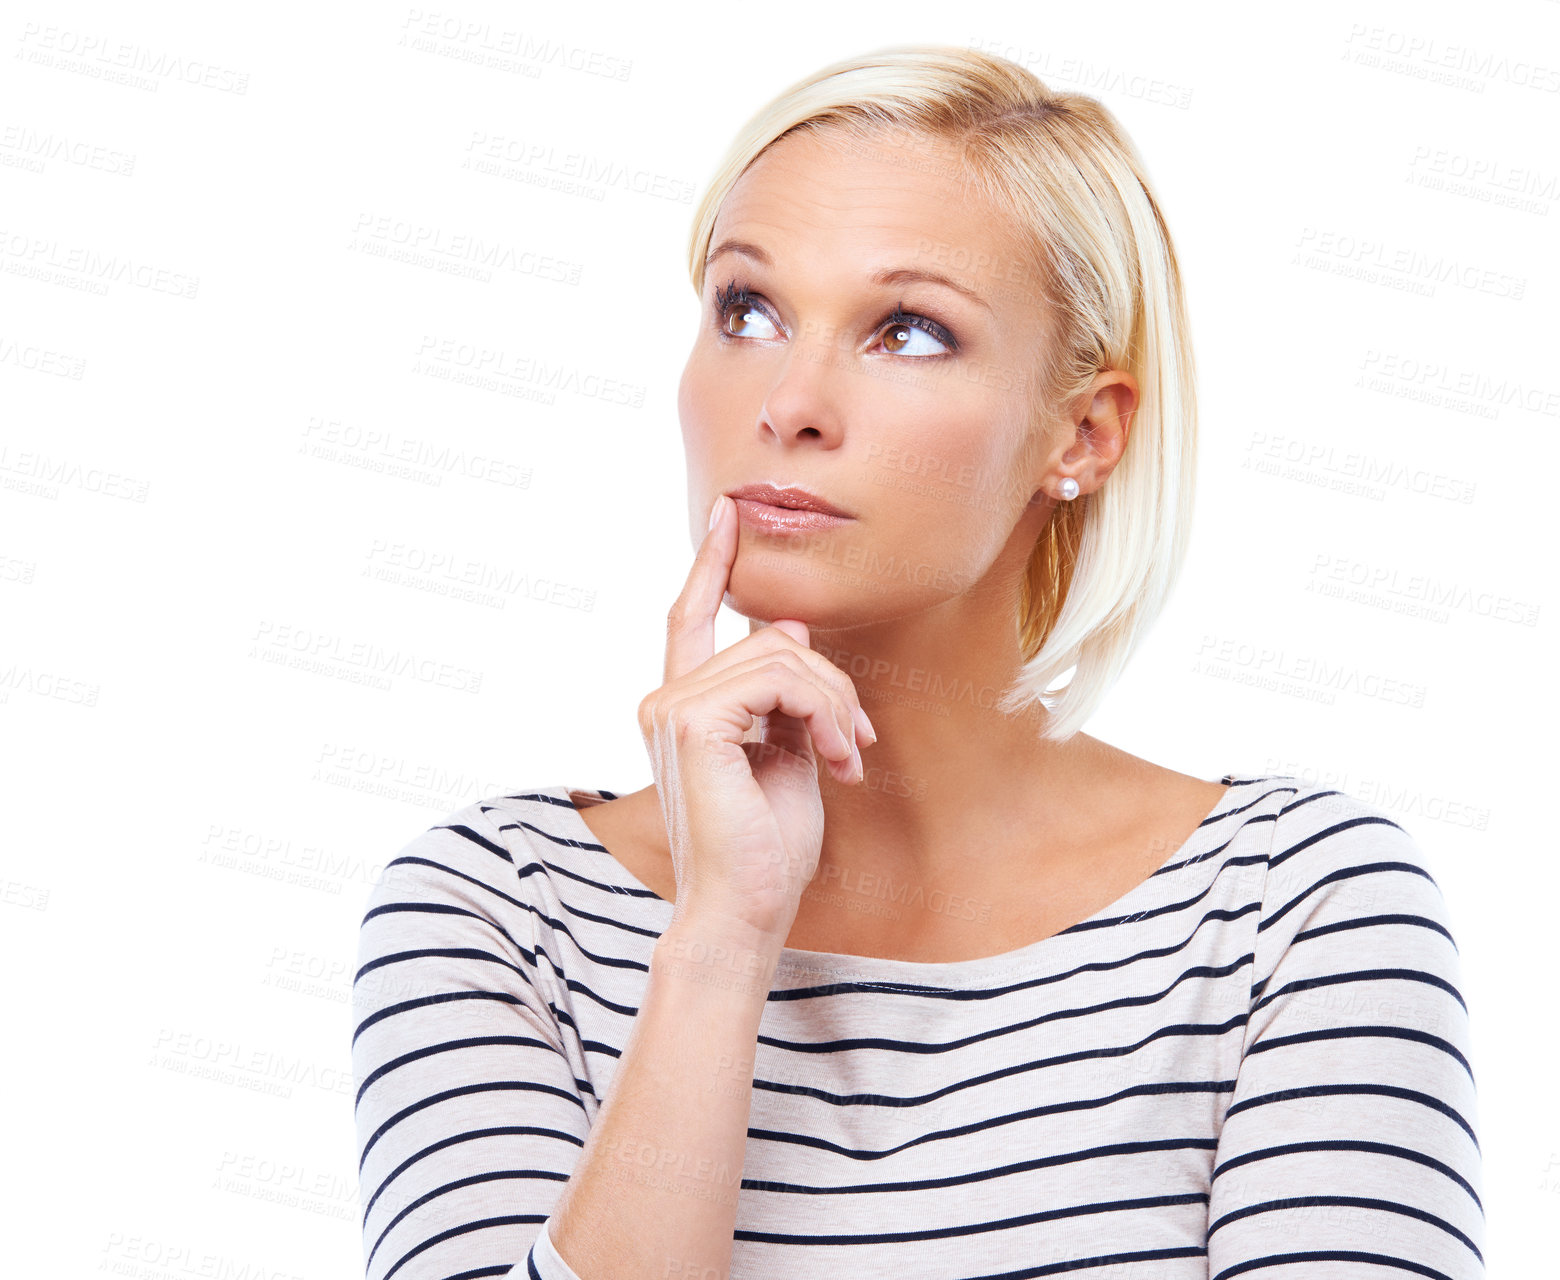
(1349, 1149)
(469, 1117)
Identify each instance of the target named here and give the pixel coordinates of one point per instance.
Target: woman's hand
(744, 819)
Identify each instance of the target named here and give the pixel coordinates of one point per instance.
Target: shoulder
(481, 851)
(1346, 878)
(1325, 838)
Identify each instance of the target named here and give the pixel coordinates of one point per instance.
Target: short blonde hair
(1066, 172)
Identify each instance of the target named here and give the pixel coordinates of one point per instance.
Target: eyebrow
(889, 275)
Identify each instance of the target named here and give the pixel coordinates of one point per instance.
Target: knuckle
(684, 726)
(777, 666)
(846, 687)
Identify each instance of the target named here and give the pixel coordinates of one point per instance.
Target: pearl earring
(1069, 488)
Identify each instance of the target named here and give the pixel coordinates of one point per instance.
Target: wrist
(723, 953)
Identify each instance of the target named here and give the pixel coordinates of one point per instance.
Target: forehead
(894, 198)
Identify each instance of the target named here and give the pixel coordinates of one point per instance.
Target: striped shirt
(1255, 1061)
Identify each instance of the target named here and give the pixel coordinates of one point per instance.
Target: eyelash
(733, 294)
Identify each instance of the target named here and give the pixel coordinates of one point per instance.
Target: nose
(804, 403)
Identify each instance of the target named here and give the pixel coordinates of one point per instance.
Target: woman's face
(927, 430)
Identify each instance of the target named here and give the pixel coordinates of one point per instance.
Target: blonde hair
(1062, 167)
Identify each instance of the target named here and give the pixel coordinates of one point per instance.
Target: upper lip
(787, 496)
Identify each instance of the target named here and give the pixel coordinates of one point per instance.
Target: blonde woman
(893, 971)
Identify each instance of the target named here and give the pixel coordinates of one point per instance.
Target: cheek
(689, 398)
(706, 395)
(699, 406)
(693, 417)
(951, 459)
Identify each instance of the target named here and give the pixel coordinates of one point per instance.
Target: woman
(940, 984)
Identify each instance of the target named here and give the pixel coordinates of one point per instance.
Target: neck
(930, 684)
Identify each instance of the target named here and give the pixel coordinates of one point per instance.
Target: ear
(1100, 432)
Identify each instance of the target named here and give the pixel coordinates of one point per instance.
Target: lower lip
(772, 519)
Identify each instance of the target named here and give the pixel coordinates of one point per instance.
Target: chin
(770, 582)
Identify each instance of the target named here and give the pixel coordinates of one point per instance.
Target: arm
(468, 1113)
(655, 1193)
(1349, 1147)
(476, 1150)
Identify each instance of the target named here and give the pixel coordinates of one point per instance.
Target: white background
(209, 363)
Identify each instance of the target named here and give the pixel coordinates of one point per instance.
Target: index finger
(690, 624)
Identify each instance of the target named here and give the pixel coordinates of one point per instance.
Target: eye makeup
(731, 296)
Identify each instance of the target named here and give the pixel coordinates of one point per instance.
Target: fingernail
(855, 755)
(865, 723)
(716, 509)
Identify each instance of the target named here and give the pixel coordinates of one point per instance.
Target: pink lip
(788, 498)
(771, 509)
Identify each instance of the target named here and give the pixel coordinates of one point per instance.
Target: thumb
(794, 628)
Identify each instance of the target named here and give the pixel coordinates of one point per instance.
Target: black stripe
(977, 1228)
(1106, 1151)
(517, 1219)
(1343, 873)
(492, 1175)
(463, 830)
(446, 1046)
(1344, 1033)
(1346, 1144)
(433, 1100)
(1362, 975)
(1331, 1255)
(472, 1135)
(995, 1122)
(1353, 1202)
(1332, 1090)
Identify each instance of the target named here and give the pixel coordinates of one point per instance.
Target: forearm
(654, 1194)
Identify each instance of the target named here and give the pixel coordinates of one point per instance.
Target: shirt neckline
(884, 970)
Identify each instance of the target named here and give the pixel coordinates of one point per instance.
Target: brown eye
(736, 313)
(899, 335)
